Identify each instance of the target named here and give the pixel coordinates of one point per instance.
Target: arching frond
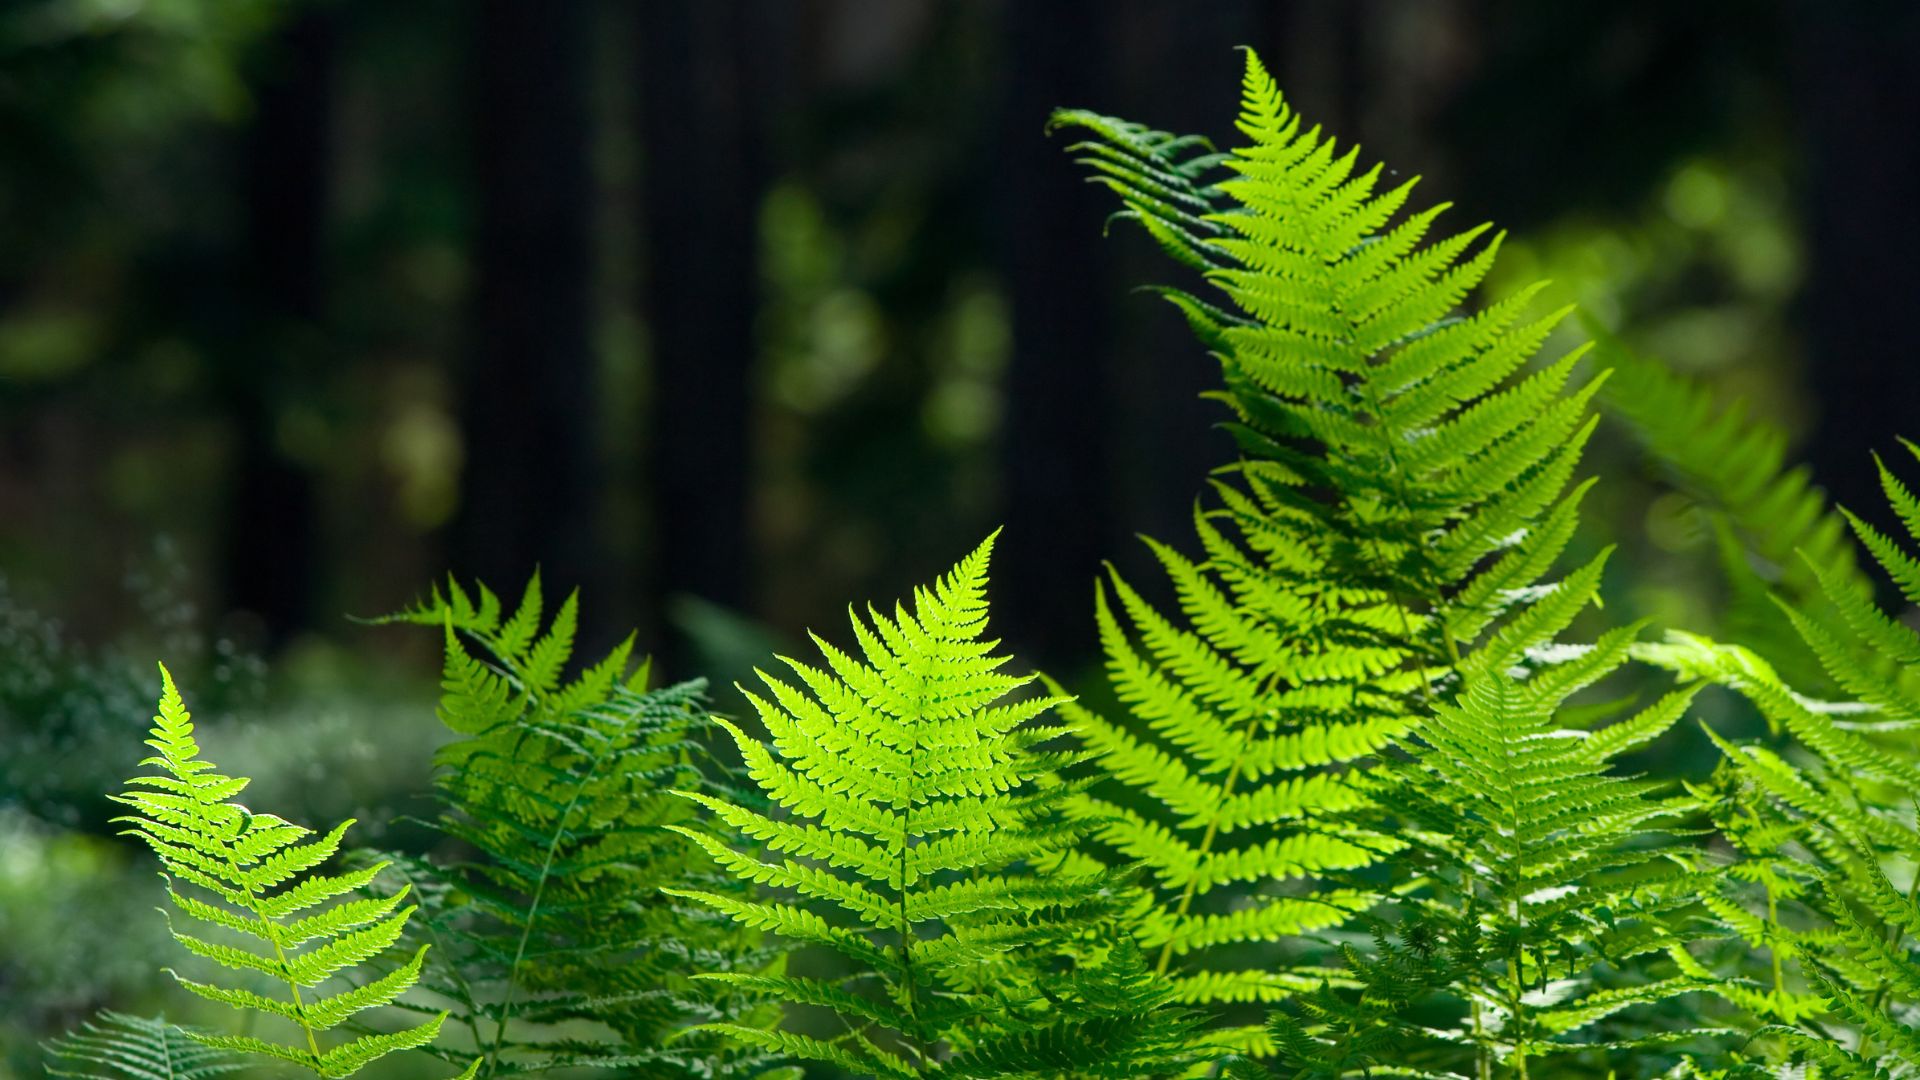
(1773, 525)
(247, 881)
(556, 946)
(913, 797)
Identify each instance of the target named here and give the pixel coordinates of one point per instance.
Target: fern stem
(279, 954)
(1213, 828)
(533, 915)
(1514, 990)
(1483, 1063)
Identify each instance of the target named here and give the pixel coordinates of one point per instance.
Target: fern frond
(553, 924)
(248, 878)
(918, 825)
(1403, 494)
(116, 1046)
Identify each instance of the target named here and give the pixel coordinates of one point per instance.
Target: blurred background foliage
(730, 312)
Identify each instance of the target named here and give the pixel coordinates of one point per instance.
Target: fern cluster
(1363, 773)
(1831, 828)
(1403, 489)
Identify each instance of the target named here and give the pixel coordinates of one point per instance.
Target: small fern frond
(557, 948)
(249, 880)
(116, 1046)
(917, 809)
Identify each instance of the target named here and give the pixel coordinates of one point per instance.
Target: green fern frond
(1404, 491)
(248, 880)
(116, 1046)
(917, 801)
(556, 946)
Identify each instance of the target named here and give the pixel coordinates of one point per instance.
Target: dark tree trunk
(703, 97)
(272, 560)
(1860, 91)
(1059, 480)
(1179, 72)
(532, 477)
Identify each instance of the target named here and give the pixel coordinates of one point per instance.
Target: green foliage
(920, 812)
(1771, 523)
(247, 878)
(1360, 773)
(116, 1046)
(1401, 493)
(1826, 832)
(551, 924)
(1545, 875)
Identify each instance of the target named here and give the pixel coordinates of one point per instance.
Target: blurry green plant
(115, 1046)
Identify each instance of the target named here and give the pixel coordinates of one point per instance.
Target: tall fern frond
(116, 1046)
(247, 880)
(915, 798)
(557, 948)
(1402, 496)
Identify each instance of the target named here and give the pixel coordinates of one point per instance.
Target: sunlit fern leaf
(245, 883)
(915, 798)
(116, 1046)
(556, 946)
(1370, 407)
(1403, 494)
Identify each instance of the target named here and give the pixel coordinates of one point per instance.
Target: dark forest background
(730, 312)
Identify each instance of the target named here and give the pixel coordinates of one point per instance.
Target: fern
(116, 1046)
(1849, 810)
(1539, 891)
(1402, 492)
(918, 799)
(553, 925)
(247, 877)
